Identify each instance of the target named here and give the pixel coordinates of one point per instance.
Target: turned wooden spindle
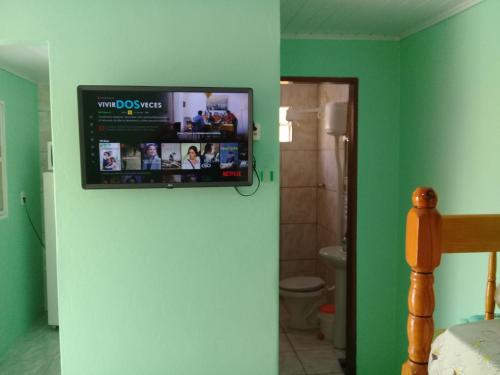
(490, 287)
(423, 254)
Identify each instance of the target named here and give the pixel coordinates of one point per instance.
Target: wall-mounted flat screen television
(140, 137)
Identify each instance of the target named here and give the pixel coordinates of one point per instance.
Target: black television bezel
(83, 156)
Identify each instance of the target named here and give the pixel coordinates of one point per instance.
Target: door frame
(352, 190)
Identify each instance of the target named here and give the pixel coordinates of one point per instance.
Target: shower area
(315, 121)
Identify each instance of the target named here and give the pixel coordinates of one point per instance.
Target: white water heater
(335, 118)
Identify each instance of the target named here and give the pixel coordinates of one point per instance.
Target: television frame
(106, 88)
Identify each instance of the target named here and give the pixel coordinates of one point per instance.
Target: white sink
(334, 256)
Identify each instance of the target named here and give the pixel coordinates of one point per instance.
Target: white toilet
(302, 297)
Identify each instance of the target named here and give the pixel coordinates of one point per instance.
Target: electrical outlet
(256, 132)
(24, 198)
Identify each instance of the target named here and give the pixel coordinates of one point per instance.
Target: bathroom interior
(314, 125)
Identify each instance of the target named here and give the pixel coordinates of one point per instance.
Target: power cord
(254, 170)
(31, 222)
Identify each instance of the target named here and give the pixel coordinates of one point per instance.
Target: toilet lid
(302, 284)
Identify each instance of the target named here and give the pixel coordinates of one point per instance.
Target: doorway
(31, 344)
(318, 211)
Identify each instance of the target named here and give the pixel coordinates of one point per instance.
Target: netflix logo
(231, 174)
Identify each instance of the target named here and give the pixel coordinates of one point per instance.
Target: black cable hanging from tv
(254, 168)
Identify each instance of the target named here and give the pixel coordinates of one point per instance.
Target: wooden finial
(424, 197)
(423, 254)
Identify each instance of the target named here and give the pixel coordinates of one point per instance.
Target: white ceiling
(364, 19)
(28, 61)
(322, 19)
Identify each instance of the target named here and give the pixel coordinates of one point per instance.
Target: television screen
(165, 136)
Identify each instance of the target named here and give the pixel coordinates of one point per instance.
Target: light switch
(256, 132)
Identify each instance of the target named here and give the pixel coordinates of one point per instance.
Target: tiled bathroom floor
(302, 353)
(35, 353)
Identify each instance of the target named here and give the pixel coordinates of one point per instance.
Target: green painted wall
(21, 277)
(150, 295)
(376, 64)
(450, 137)
(145, 287)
